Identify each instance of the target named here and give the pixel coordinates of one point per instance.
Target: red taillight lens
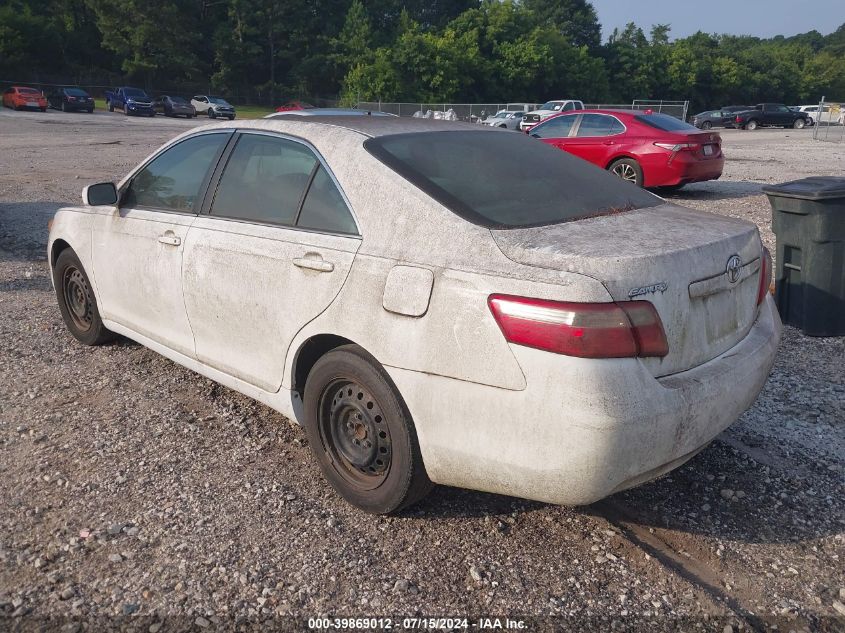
(738, 119)
(765, 275)
(679, 147)
(588, 330)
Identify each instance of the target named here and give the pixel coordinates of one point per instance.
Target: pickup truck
(130, 100)
(774, 114)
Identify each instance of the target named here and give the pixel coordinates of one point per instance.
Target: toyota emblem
(734, 268)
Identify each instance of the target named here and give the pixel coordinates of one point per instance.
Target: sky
(762, 18)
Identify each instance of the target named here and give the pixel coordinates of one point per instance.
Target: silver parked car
(505, 119)
(554, 333)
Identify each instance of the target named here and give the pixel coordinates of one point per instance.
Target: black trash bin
(808, 218)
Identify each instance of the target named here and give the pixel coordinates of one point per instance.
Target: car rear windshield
(505, 180)
(75, 92)
(665, 122)
(28, 91)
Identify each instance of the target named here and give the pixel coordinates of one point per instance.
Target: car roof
(311, 112)
(371, 126)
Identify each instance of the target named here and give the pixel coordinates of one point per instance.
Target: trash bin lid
(812, 188)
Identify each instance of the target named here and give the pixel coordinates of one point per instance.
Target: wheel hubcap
(78, 298)
(625, 172)
(355, 434)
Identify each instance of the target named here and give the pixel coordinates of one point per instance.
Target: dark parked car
(710, 119)
(774, 114)
(71, 100)
(174, 106)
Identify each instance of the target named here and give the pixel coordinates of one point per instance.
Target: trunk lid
(674, 257)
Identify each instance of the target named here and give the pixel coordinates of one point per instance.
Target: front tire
(361, 432)
(799, 124)
(706, 125)
(211, 114)
(77, 302)
(627, 169)
(111, 106)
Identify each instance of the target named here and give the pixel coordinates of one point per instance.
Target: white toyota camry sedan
(550, 332)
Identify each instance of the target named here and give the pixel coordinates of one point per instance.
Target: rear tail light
(738, 119)
(765, 275)
(679, 147)
(625, 329)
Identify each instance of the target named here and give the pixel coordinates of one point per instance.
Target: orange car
(20, 97)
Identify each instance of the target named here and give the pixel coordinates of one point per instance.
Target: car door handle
(319, 265)
(610, 142)
(170, 239)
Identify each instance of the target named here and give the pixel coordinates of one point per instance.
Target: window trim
(214, 183)
(203, 190)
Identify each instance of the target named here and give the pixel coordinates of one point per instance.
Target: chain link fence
(829, 122)
(475, 112)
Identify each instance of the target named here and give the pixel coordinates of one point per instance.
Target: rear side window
(501, 180)
(173, 179)
(264, 180)
(665, 122)
(324, 208)
(278, 181)
(599, 125)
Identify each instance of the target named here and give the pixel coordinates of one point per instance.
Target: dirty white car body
(254, 305)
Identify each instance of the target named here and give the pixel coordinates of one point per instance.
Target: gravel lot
(135, 492)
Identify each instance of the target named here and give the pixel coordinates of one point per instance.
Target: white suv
(213, 107)
(548, 109)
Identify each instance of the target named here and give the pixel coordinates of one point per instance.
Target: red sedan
(20, 97)
(294, 105)
(647, 149)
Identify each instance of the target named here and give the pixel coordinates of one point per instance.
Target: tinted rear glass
(665, 122)
(75, 92)
(28, 91)
(500, 179)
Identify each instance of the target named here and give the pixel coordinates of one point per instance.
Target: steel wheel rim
(355, 434)
(78, 298)
(625, 172)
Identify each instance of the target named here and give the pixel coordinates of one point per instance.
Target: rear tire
(361, 432)
(211, 114)
(64, 107)
(799, 124)
(111, 106)
(751, 125)
(706, 125)
(627, 169)
(77, 302)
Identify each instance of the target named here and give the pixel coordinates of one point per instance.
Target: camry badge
(734, 268)
(646, 290)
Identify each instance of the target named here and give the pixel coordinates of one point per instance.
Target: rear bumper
(582, 429)
(682, 169)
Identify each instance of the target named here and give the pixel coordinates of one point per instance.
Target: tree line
(428, 51)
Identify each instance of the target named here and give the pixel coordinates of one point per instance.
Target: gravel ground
(135, 492)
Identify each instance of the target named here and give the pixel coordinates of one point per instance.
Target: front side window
(598, 125)
(559, 127)
(172, 180)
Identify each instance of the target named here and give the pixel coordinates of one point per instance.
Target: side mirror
(103, 193)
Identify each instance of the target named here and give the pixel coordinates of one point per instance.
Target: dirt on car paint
(135, 491)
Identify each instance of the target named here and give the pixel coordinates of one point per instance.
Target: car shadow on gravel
(725, 494)
(23, 228)
(714, 190)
